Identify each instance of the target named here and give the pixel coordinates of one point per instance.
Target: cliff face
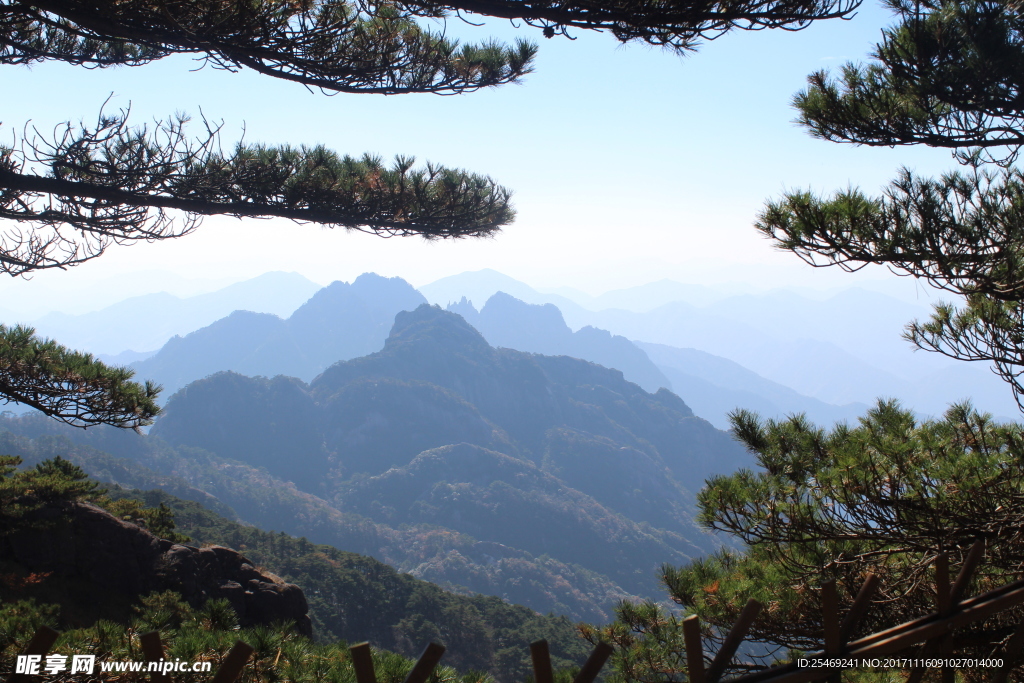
(99, 562)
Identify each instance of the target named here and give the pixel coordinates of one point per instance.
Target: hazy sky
(629, 163)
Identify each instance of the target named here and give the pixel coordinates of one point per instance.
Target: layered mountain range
(343, 321)
(338, 322)
(548, 480)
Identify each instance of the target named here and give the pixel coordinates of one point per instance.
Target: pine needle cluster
(70, 386)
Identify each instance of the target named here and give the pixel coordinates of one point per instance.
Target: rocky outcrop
(89, 546)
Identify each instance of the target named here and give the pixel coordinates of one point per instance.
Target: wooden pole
(153, 651)
(541, 656)
(732, 641)
(362, 662)
(947, 600)
(233, 664)
(860, 606)
(900, 637)
(830, 617)
(425, 665)
(40, 645)
(963, 579)
(592, 667)
(830, 622)
(694, 649)
(942, 588)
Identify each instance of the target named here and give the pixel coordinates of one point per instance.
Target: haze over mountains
(845, 348)
(345, 321)
(829, 356)
(339, 322)
(145, 323)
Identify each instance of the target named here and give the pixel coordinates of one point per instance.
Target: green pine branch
(70, 386)
(950, 74)
(882, 497)
(89, 188)
(328, 44)
(963, 232)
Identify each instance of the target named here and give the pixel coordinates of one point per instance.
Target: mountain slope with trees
(91, 554)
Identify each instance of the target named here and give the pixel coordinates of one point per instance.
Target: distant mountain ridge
(713, 386)
(509, 322)
(348, 320)
(841, 348)
(339, 321)
(144, 323)
(719, 386)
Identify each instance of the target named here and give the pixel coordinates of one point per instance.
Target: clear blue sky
(629, 163)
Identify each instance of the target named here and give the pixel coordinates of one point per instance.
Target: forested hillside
(83, 554)
(354, 598)
(560, 457)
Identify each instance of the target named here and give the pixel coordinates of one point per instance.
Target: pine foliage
(90, 187)
(57, 481)
(70, 386)
(676, 24)
(329, 44)
(883, 497)
(947, 75)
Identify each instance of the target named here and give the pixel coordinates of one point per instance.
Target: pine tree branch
(678, 24)
(88, 188)
(72, 387)
(984, 330)
(327, 44)
(950, 75)
(963, 233)
(884, 496)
